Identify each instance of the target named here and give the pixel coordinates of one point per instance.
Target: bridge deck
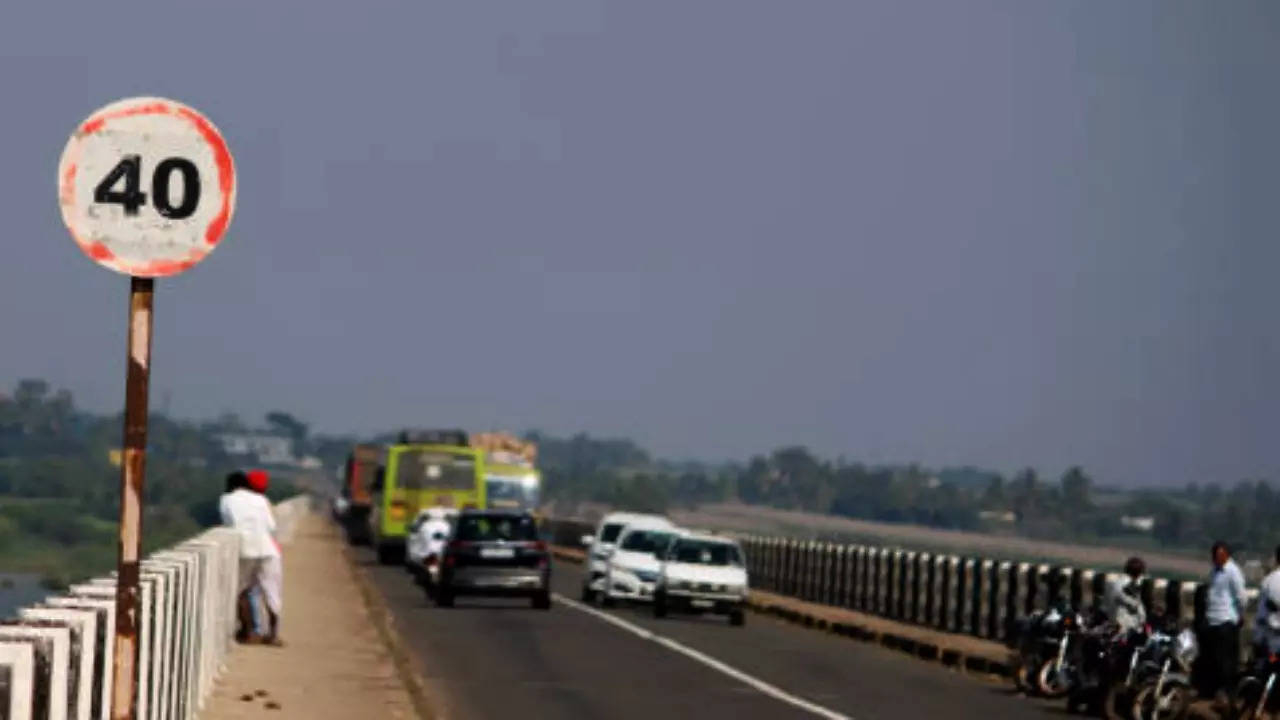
(333, 665)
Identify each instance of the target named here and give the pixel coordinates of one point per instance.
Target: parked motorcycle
(1256, 694)
(1164, 672)
(1108, 663)
(1038, 637)
(1059, 672)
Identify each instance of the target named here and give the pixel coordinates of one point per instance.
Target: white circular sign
(147, 187)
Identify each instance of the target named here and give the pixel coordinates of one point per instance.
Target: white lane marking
(755, 682)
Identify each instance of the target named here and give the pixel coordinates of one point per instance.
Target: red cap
(257, 480)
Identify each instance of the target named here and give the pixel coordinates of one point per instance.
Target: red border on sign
(226, 184)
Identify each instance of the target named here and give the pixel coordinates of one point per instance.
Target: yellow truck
(512, 480)
(432, 468)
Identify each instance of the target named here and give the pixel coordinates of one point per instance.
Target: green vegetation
(59, 489)
(1071, 509)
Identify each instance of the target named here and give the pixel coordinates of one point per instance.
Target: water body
(18, 590)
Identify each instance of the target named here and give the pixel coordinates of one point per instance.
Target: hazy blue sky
(1001, 233)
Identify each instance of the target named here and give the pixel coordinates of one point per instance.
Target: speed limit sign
(147, 187)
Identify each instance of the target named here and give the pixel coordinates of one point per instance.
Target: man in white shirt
(1266, 628)
(250, 514)
(1123, 598)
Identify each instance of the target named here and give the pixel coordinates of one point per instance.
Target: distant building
(269, 449)
(1141, 523)
(1004, 516)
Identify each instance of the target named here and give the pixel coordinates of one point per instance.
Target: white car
(702, 574)
(428, 534)
(600, 547)
(633, 567)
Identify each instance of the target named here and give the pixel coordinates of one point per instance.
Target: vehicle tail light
(432, 560)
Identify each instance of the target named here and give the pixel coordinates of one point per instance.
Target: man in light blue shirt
(1224, 610)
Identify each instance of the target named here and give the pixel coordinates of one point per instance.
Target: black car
(495, 553)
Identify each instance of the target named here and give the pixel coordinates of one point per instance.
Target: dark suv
(495, 553)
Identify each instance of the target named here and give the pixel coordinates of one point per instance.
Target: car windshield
(646, 541)
(610, 532)
(488, 528)
(704, 552)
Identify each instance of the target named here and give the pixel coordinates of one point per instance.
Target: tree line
(1070, 508)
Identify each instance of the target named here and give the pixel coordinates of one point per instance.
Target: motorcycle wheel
(1172, 705)
(1244, 703)
(1050, 684)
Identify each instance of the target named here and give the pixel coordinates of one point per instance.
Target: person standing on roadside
(1123, 598)
(270, 584)
(1224, 612)
(249, 513)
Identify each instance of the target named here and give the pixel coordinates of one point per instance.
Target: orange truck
(362, 468)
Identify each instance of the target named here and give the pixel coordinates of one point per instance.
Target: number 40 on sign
(147, 187)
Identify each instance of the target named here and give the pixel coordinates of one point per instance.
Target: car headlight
(646, 575)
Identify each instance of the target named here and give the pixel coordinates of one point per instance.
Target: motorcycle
(1059, 673)
(1109, 671)
(1255, 694)
(1164, 676)
(1038, 637)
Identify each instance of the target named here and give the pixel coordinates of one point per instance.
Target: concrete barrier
(56, 656)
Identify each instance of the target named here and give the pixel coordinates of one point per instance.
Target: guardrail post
(895, 584)
(937, 591)
(988, 615)
(955, 594)
(803, 570)
(778, 577)
(924, 589)
(975, 607)
(1002, 575)
(828, 573)
(834, 574)
(906, 582)
(879, 580)
(788, 567)
(969, 578)
(861, 577)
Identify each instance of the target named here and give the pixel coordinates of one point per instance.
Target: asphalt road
(500, 659)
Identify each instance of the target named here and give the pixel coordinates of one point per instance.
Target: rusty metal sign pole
(132, 475)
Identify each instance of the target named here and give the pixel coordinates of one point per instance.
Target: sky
(1022, 233)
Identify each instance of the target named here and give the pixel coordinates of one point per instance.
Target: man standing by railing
(1224, 611)
(270, 584)
(249, 513)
